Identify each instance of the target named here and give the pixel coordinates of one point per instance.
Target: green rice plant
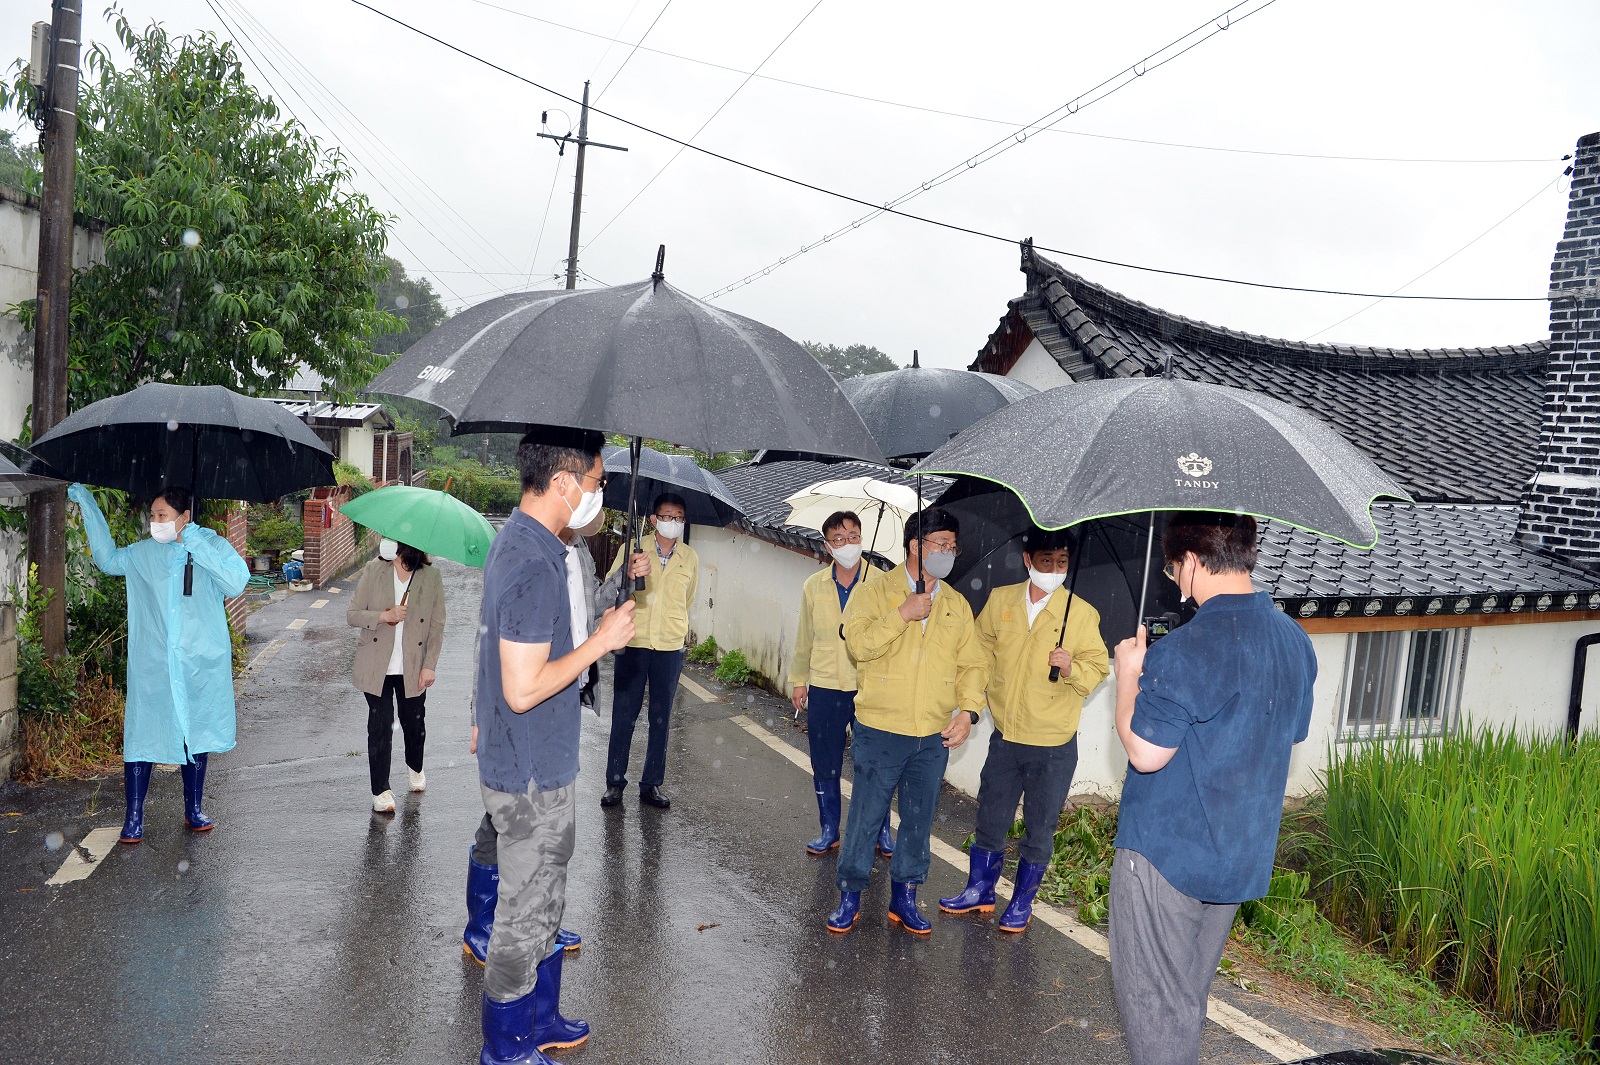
(1475, 861)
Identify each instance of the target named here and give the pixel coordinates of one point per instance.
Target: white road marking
(99, 843)
(264, 655)
(1241, 1024)
(297, 623)
(333, 591)
(319, 604)
(705, 696)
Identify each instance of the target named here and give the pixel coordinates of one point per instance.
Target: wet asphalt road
(307, 929)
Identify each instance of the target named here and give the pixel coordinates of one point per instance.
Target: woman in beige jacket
(399, 608)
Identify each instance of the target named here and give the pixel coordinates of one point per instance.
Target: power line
(1441, 262)
(399, 167)
(548, 200)
(953, 227)
(263, 72)
(1006, 121)
(612, 80)
(696, 134)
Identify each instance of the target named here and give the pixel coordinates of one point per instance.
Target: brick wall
(391, 458)
(330, 537)
(1561, 510)
(8, 690)
(237, 530)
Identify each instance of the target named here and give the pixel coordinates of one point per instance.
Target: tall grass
(1474, 860)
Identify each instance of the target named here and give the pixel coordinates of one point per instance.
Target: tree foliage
(19, 164)
(235, 248)
(853, 361)
(413, 301)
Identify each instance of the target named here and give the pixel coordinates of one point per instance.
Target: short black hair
(547, 451)
(1037, 539)
(837, 519)
(667, 498)
(175, 496)
(924, 523)
(1224, 543)
(412, 558)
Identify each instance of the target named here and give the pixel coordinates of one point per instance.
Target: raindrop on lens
(53, 841)
(716, 764)
(191, 238)
(395, 727)
(934, 411)
(719, 741)
(183, 867)
(172, 425)
(401, 302)
(977, 584)
(217, 288)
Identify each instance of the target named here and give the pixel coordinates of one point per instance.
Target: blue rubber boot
(828, 809)
(135, 782)
(568, 940)
(1020, 912)
(194, 785)
(508, 1033)
(844, 918)
(903, 909)
(483, 891)
(551, 1031)
(885, 838)
(983, 871)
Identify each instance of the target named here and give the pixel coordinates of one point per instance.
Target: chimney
(1561, 508)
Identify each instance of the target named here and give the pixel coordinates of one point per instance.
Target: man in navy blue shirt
(528, 719)
(1208, 717)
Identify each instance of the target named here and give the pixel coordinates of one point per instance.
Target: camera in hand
(1159, 625)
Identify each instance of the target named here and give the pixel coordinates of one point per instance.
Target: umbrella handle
(1072, 588)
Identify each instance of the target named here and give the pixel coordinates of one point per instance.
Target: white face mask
(587, 510)
(388, 549)
(670, 530)
(1046, 582)
(164, 532)
(938, 564)
(847, 556)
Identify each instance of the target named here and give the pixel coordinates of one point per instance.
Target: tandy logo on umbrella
(1196, 466)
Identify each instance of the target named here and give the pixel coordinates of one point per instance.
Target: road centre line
(98, 843)
(1234, 1020)
(319, 604)
(265, 655)
(705, 696)
(297, 623)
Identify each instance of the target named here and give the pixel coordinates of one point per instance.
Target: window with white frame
(1403, 682)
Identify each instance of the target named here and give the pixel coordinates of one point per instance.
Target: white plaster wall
(1521, 676)
(355, 447)
(1035, 367)
(749, 597)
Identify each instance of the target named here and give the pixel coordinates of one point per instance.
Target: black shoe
(612, 797)
(654, 797)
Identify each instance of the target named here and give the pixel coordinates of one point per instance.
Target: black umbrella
(1106, 448)
(22, 474)
(709, 500)
(644, 360)
(911, 412)
(213, 441)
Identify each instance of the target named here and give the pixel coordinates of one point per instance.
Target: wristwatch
(973, 714)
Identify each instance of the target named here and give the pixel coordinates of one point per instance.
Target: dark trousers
(380, 729)
(1165, 947)
(1038, 776)
(486, 843)
(885, 761)
(828, 714)
(636, 668)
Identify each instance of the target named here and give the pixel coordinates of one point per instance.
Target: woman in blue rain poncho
(180, 656)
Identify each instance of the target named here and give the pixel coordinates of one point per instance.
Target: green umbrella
(430, 521)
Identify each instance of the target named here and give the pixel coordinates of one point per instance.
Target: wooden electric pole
(47, 511)
(582, 141)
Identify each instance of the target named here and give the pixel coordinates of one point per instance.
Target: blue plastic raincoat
(180, 658)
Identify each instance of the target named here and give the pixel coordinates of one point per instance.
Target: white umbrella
(883, 508)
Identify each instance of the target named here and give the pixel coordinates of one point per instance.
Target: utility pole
(582, 142)
(58, 137)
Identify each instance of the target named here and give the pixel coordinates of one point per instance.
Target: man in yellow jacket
(822, 675)
(654, 656)
(920, 673)
(1033, 752)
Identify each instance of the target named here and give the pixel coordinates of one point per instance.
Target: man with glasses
(1027, 631)
(654, 657)
(822, 675)
(920, 674)
(1209, 717)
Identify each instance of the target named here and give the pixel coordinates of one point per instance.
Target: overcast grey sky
(448, 146)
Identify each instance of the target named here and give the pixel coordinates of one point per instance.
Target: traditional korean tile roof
(1451, 424)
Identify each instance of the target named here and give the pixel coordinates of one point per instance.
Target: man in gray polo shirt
(528, 719)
